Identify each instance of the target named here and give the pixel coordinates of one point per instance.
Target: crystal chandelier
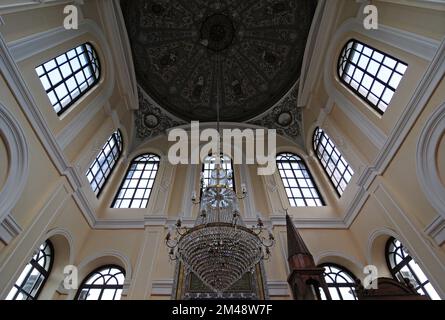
(219, 249)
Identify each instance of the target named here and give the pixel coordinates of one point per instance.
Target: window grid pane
(105, 283)
(340, 282)
(103, 165)
(136, 188)
(373, 75)
(298, 183)
(209, 165)
(67, 77)
(402, 266)
(34, 275)
(333, 162)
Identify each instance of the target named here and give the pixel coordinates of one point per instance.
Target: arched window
(209, 165)
(69, 76)
(298, 183)
(32, 279)
(372, 74)
(104, 283)
(340, 281)
(104, 163)
(402, 266)
(136, 188)
(333, 162)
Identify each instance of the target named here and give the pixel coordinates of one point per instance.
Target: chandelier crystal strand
(219, 249)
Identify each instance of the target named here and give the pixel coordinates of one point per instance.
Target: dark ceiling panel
(186, 52)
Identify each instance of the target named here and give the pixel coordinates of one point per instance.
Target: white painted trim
(392, 210)
(278, 288)
(426, 164)
(162, 287)
(18, 163)
(9, 229)
(372, 238)
(436, 230)
(22, 5)
(68, 237)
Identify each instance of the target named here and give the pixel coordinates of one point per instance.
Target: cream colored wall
(4, 163)
(394, 203)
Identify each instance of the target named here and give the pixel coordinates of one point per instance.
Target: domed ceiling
(188, 52)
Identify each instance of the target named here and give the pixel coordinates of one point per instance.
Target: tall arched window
(209, 165)
(372, 74)
(104, 283)
(103, 165)
(402, 266)
(340, 281)
(333, 162)
(69, 76)
(32, 279)
(298, 183)
(136, 188)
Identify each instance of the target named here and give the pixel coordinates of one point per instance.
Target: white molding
(22, 5)
(376, 233)
(426, 163)
(393, 211)
(9, 229)
(18, 163)
(436, 230)
(328, 254)
(120, 46)
(162, 287)
(318, 40)
(278, 288)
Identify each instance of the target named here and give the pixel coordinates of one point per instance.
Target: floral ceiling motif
(247, 52)
(285, 117)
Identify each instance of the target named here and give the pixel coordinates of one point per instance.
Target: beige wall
(51, 205)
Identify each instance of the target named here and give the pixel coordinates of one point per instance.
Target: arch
(426, 164)
(349, 262)
(105, 279)
(376, 248)
(103, 258)
(300, 186)
(17, 146)
(138, 184)
(340, 280)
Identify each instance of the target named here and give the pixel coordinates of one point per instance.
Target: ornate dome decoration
(260, 43)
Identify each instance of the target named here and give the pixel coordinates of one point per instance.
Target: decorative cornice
(151, 120)
(9, 229)
(284, 117)
(436, 230)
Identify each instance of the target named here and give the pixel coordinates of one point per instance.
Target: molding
(376, 233)
(318, 40)
(162, 287)
(32, 4)
(9, 229)
(436, 230)
(395, 214)
(18, 163)
(278, 288)
(426, 164)
(114, 25)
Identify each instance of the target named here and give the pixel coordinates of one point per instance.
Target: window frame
(347, 166)
(103, 287)
(120, 151)
(89, 64)
(405, 262)
(348, 60)
(337, 285)
(43, 272)
(139, 179)
(311, 177)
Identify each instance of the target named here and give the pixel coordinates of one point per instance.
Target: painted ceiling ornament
(259, 43)
(151, 120)
(285, 117)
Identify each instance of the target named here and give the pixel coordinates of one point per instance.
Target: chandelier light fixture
(219, 249)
